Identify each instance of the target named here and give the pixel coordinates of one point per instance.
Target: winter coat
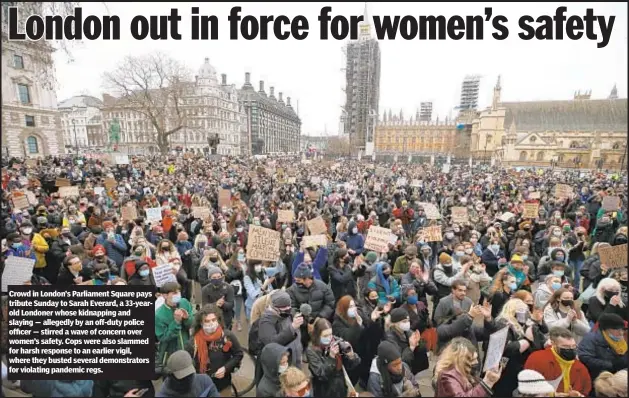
(491, 261)
(327, 380)
(269, 385)
(355, 242)
(542, 295)
(579, 327)
(57, 388)
(115, 250)
(40, 247)
(342, 281)
(598, 356)
(375, 383)
(451, 383)
(422, 287)
(118, 388)
(200, 384)
(171, 336)
(544, 362)
(218, 357)
(210, 294)
(273, 328)
(462, 326)
(318, 295)
(417, 360)
(317, 264)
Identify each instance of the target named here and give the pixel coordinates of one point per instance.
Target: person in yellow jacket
(73, 216)
(36, 242)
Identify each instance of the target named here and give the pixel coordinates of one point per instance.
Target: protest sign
(65, 192)
(459, 215)
(99, 190)
(614, 256)
(201, 213)
(401, 182)
(20, 202)
(506, 216)
(433, 234)
(286, 216)
(495, 348)
(535, 195)
(31, 162)
(317, 226)
(563, 191)
(263, 244)
(378, 239)
(224, 198)
(611, 203)
(445, 169)
(121, 159)
(32, 199)
(315, 240)
(154, 214)
(17, 270)
(531, 210)
(129, 213)
(62, 182)
(291, 180)
(432, 212)
(416, 183)
(163, 274)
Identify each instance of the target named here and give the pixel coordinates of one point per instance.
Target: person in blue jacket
(303, 256)
(57, 388)
(355, 241)
(387, 286)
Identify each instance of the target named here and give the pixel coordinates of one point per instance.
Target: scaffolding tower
(469, 92)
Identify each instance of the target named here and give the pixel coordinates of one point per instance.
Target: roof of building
(81, 101)
(570, 115)
(248, 93)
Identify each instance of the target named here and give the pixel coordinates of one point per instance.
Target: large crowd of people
(465, 259)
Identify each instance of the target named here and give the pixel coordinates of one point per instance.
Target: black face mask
(396, 378)
(569, 354)
(284, 313)
(531, 307)
(567, 303)
(374, 301)
(103, 275)
(299, 284)
(609, 295)
(476, 370)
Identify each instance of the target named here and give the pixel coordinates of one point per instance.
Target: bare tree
(153, 85)
(338, 146)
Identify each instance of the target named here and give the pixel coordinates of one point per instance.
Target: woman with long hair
(561, 311)
(256, 284)
(503, 286)
(327, 355)
(457, 369)
(215, 351)
(607, 299)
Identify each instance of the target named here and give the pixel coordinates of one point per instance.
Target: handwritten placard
(495, 348)
(202, 213)
(535, 195)
(263, 244)
(611, 203)
(563, 191)
(20, 202)
(459, 215)
(65, 192)
(317, 226)
(614, 256)
(315, 240)
(129, 213)
(99, 190)
(17, 271)
(433, 234)
(154, 214)
(378, 239)
(163, 274)
(506, 216)
(224, 198)
(432, 212)
(62, 182)
(531, 210)
(286, 216)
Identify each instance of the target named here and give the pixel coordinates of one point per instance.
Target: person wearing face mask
(545, 290)
(142, 275)
(274, 361)
(457, 372)
(444, 274)
(387, 287)
(304, 256)
(37, 244)
(420, 280)
(493, 257)
(607, 299)
(277, 325)
(402, 263)
(477, 277)
(561, 311)
(101, 275)
(256, 284)
(215, 351)
(182, 380)
(113, 243)
(72, 272)
(355, 242)
(100, 257)
(343, 274)
(219, 293)
(73, 216)
(173, 321)
(606, 226)
(326, 360)
(17, 248)
(450, 240)
(557, 255)
(389, 376)
(295, 383)
(413, 350)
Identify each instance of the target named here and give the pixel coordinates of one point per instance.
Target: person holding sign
(458, 369)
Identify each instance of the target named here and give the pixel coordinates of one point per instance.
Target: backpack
(255, 345)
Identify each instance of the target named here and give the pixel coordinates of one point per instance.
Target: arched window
(560, 158)
(532, 139)
(523, 156)
(617, 145)
(574, 144)
(540, 155)
(33, 146)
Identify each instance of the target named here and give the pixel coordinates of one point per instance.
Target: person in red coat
(559, 362)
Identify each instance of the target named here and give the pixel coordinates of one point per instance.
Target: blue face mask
(614, 338)
(241, 258)
(176, 298)
(558, 273)
(513, 286)
(351, 312)
(17, 245)
(412, 300)
(326, 340)
(144, 272)
(556, 286)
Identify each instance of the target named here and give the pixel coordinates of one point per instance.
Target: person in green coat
(173, 321)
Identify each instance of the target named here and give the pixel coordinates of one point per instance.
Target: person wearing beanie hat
(389, 376)
(355, 241)
(407, 341)
(113, 243)
(444, 274)
(387, 287)
(402, 264)
(533, 384)
(520, 271)
(219, 293)
(559, 361)
(305, 256)
(183, 381)
(276, 325)
(605, 349)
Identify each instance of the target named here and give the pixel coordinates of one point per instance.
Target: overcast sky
(309, 71)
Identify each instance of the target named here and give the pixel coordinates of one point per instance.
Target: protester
(609, 384)
(295, 383)
(183, 381)
(275, 360)
(389, 376)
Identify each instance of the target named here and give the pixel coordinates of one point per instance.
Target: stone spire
(614, 93)
(496, 98)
